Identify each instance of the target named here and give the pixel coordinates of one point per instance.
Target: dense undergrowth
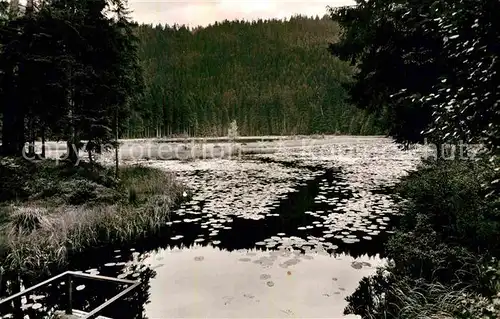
(49, 210)
(444, 257)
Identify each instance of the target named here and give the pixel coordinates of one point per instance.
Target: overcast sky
(204, 12)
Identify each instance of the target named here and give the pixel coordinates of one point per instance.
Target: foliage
(442, 253)
(62, 81)
(140, 183)
(428, 67)
(450, 197)
(57, 183)
(402, 297)
(392, 53)
(465, 101)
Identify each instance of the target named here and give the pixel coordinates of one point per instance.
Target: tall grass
(39, 235)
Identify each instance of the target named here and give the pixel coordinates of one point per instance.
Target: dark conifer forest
(59, 80)
(272, 77)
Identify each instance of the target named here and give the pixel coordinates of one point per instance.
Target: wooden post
(18, 313)
(43, 141)
(69, 306)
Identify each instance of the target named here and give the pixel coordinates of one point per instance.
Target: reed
(38, 235)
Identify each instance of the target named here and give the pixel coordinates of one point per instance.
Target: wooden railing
(69, 283)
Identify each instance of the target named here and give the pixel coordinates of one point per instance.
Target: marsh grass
(37, 235)
(141, 182)
(391, 295)
(436, 301)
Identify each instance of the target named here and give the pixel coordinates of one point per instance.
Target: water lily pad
(265, 276)
(36, 306)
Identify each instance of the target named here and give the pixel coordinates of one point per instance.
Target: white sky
(204, 12)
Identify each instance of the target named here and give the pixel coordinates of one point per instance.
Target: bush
(451, 197)
(421, 254)
(443, 255)
(14, 175)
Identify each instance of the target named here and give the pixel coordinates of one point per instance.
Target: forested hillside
(272, 77)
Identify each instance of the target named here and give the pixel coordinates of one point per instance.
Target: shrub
(451, 197)
(27, 219)
(441, 255)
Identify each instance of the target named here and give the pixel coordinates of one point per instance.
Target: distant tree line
(271, 77)
(69, 71)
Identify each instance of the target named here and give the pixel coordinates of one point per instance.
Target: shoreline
(63, 214)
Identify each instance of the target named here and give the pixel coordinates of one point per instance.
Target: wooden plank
(94, 312)
(102, 278)
(77, 314)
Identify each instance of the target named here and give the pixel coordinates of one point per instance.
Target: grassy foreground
(445, 255)
(50, 210)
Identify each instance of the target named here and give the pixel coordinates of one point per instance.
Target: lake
(283, 229)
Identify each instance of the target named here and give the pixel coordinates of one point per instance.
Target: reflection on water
(209, 282)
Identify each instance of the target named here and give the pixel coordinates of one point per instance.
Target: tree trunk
(29, 8)
(31, 145)
(439, 151)
(13, 121)
(72, 151)
(43, 141)
(116, 145)
(73, 147)
(16, 288)
(89, 152)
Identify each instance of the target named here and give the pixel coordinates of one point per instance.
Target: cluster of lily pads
(244, 189)
(346, 210)
(365, 163)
